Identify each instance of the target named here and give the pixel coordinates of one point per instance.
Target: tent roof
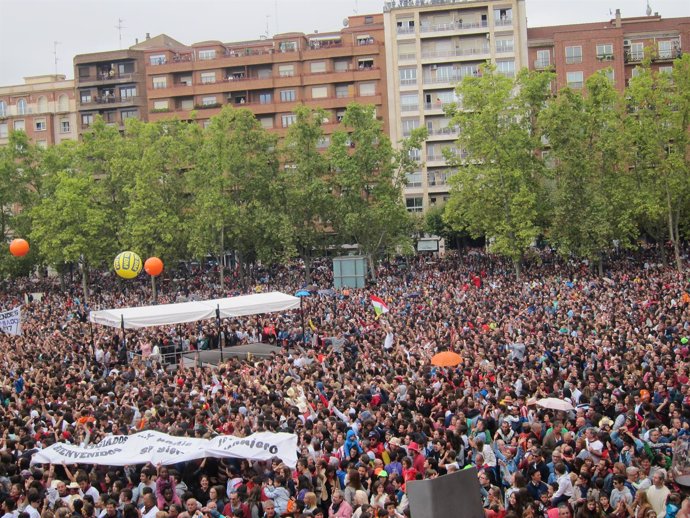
(166, 314)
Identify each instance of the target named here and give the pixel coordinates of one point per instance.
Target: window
(3, 130)
(507, 68)
(288, 119)
(125, 68)
(364, 63)
(286, 70)
(39, 124)
(504, 45)
(160, 105)
(503, 16)
(64, 126)
(573, 55)
(637, 51)
(342, 91)
(266, 122)
(43, 144)
(408, 76)
(3, 109)
(87, 119)
(287, 96)
(414, 179)
(575, 80)
(543, 59)
(85, 96)
(21, 107)
(187, 104)
(635, 71)
(264, 73)
(160, 82)
(127, 92)
(409, 102)
(408, 125)
(42, 104)
(208, 78)
(605, 51)
(323, 142)
(209, 100)
(666, 49)
(368, 20)
(205, 123)
(319, 92)
(405, 26)
(341, 65)
(318, 67)
(84, 72)
(63, 103)
(407, 51)
(608, 72)
(414, 154)
(414, 204)
(207, 54)
(666, 70)
(129, 114)
(367, 89)
(186, 80)
(287, 46)
(265, 98)
(158, 59)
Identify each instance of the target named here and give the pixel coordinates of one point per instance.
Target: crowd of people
(371, 413)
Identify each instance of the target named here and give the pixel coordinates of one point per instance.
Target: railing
(451, 78)
(320, 45)
(408, 82)
(448, 130)
(405, 30)
(503, 50)
(453, 26)
(106, 76)
(668, 54)
(502, 22)
(633, 56)
(108, 99)
(571, 60)
(409, 107)
(541, 64)
(455, 53)
(436, 105)
(407, 57)
(576, 85)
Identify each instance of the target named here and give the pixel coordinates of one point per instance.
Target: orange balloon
(153, 266)
(19, 247)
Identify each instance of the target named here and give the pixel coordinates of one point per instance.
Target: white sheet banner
(160, 448)
(11, 321)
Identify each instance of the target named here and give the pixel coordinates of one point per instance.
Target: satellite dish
(346, 22)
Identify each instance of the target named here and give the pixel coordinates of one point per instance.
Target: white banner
(160, 448)
(11, 321)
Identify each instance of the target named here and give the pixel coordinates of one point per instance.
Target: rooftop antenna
(649, 9)
(55, 56)
(119, 28)
(356, 9)
(267, 18)
(275, 12)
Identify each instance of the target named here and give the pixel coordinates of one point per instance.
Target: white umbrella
(555, 404)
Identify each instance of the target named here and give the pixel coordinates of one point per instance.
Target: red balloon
(153, 266)
(19, 247)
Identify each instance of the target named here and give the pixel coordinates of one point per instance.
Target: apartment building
(43, 107)
(271, 77)
(431, 45)
(575, 52)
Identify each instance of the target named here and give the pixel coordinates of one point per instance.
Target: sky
(30, 27)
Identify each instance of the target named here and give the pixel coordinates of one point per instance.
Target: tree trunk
(154, 291)
(372, 269)
(676, 243)
(600, 264)
(221, 268)
(517, 265)
(85, 281)
(307, 267)
(62, 278)
(672, 231)
(662, 249)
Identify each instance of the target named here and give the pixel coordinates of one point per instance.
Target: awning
(168, 314)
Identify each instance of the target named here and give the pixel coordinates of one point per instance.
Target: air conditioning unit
(626, 43)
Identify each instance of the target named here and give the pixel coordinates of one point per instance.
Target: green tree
(155, 212)
(657, 132)
(591, 195)
(304, 179)
(234, 192)
(71, 224)
(367, 179)
(497, 188)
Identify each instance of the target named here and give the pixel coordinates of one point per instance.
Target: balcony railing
(541, 64)
(571, 60)
(455, 53)
(505, 49)
(436, 105)
(409, 107)
(450, 78)
(107, 76)
(668, 54)
(108, 99)
(634, 56)
(503, 22)
(407, 57)
(448, 130)
(405, 30)
(453, 26)
(408, 82)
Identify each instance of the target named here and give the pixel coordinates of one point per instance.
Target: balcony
(409, 108)
(405, 31)
(505, 49)
(573, 60)
(542, 64)
(633, 56)
(109, 101)
(436, 106)
(455, 53)
(503, 22)
(107, 78)
(605, 57)
(453, 26)
(446, 132)
(450, 78)
(668, 54)
(407, 57)
(408, 82)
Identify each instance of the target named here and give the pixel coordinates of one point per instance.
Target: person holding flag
(380, 306)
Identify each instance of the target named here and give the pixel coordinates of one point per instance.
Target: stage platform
(212, 358)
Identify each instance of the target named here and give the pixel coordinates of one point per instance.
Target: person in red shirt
(417, 457)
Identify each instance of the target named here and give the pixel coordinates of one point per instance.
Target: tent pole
(220, 344)
(301, 312)
(124, 340)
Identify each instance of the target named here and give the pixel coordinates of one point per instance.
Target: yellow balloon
(127, 265)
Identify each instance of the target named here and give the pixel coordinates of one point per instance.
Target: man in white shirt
(149, 510)
(34, 500)
(658, 493)
(565, 486)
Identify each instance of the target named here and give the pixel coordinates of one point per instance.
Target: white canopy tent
(167, 314)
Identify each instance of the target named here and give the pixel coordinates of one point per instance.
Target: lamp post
(301, 294)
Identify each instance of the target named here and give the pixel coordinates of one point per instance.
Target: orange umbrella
(446, 359)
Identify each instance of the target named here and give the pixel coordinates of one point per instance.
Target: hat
(291, 391)
(73, 485)
(383, 473)
(287, 379)
(395, 440)
(373, 435)
(453, 465)
(605, 421)
(413, 446)
(684, 340)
